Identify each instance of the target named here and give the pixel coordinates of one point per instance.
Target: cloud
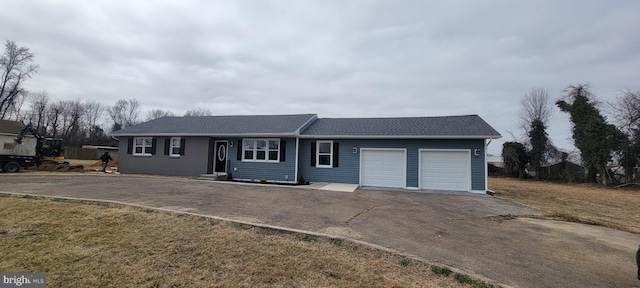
(334, 58)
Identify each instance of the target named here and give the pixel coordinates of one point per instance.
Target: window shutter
(336, 148)
(129, 145)
(283, 150)
(313, 154)
(167, 144)
(182, 142)
(239, 156)
(153, 146)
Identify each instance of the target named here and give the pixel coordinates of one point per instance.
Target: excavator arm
(25, 130)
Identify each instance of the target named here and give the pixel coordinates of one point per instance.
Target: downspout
(295, 174)
(486, 166)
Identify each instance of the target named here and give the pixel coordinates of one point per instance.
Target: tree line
(609, 153)
(602, 145)
(76, 122)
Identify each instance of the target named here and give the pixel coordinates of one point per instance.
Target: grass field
(104, 245)
(584, 203)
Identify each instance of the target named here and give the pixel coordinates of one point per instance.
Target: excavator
(47, 150)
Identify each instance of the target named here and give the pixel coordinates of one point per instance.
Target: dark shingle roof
(220, 125)
(11, 127)
(469, 126)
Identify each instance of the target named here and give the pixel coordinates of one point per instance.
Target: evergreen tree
(515, 159)
(539, 140)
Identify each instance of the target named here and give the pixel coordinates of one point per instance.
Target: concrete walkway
(478, 234)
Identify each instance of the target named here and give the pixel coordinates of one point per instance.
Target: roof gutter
(292, 135)
(400, 136)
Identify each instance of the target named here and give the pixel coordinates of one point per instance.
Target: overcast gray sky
(334, 58)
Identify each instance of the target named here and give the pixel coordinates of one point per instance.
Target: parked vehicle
(23, 151)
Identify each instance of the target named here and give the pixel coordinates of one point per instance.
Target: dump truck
(20, 150)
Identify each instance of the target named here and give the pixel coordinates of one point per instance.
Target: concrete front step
(213, 177)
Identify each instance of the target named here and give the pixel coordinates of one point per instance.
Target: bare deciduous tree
(124, 113)
(626, 111)
(16, 65)
(535, 106)
(157, 113)
(198, 112)
(535, 112)
(93, 111)
(14, 111)
(73, 111)
(38, 110)
(53, 118)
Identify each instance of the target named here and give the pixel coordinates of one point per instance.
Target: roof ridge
(248, 115)
(401, 117)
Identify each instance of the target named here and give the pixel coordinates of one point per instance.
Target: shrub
(308, 238)
(441, 270)
(466, 279)
(405, 262)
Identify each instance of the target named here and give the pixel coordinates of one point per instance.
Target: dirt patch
(98, 164)
(500, 218)
(59, 167)
(582, 203)
(84, 163)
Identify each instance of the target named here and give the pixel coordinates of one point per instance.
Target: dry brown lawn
(591, 204)
(104, 245)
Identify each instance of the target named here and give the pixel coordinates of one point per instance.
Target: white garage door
(383, 168)
(445, 170)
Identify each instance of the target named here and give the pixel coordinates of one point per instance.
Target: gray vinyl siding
(348, 163)
(270, 171)
(193, 163)
(198, 159)
(348, 170)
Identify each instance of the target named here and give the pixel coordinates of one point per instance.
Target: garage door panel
(445, 170)
(383, 168)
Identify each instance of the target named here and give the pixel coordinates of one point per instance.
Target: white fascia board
(99, 147)
(399, 137)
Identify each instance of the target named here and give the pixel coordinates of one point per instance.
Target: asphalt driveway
(476, 233)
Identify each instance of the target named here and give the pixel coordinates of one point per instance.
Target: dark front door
(220, 163)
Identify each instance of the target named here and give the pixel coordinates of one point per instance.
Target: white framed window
(263, 150)
(142, 146)
(174, 147)
(324, 154)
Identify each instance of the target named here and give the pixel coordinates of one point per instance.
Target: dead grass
(591, 204)
(82, 245)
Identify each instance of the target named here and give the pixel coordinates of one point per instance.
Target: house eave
(231, 135)
(400, 136)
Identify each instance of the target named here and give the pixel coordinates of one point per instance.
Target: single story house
(428, 153)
